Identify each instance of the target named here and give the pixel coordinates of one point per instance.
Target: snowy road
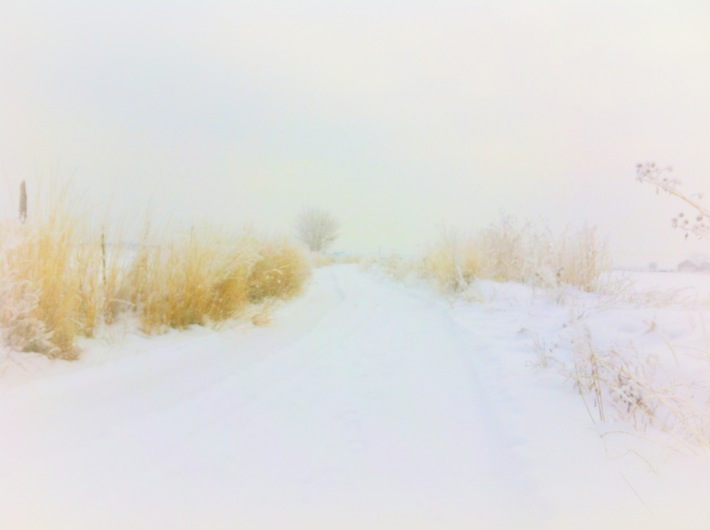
(364, 405)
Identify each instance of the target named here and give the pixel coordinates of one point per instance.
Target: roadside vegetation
(61, 278)
(644, 380)
(510, 251)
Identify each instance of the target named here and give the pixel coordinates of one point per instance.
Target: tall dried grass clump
(452, 263)
(190, 280)
(280, 271)
(525, 253)
(510, 251)
(585, 261)
(59, 280)
(50, 284)
(629, 386)
(206, 277)
(505, 251)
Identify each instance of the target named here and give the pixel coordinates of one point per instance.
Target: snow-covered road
(364, 405)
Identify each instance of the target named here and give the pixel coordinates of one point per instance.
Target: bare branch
(697, 223)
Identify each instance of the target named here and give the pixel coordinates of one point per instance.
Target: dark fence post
(23, 202)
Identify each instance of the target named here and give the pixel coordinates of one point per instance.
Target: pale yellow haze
(398, 117)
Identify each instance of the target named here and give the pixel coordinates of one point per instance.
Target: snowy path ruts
(360, 407)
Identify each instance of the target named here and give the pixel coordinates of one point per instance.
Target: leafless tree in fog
(317, 229)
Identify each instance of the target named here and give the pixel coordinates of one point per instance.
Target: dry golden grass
(349, 259)
(58, 281)
(522, 253)
(280, 271)
(452, 264)
(209, 277)
(627, 385)
(319, 260)
(190, 280)
(505, 251)
(585, 260)
(51, 278)
(470, 262)
(48, 265)
(508, 251)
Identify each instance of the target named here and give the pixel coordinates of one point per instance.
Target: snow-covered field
(374, 404)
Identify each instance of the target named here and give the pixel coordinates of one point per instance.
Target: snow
(365, 404)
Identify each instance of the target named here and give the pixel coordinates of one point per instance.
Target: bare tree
(317, 229)
(697, 222)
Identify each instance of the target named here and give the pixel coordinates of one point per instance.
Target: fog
(398, 117)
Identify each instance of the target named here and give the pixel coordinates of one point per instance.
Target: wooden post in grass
(103, 255)
(23, 202)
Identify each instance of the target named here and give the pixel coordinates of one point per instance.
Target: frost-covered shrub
(628, 386)
(512, 252)
(451, 262)
(42, 281)
(21, 329)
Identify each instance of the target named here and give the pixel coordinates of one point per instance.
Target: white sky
(399, 117)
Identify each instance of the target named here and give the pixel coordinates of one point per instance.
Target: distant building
(687, 266)
(694, 265)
